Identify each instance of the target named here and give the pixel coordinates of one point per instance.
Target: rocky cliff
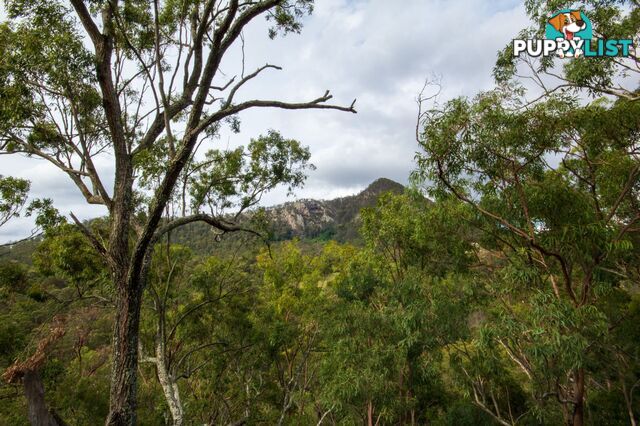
(328, 219)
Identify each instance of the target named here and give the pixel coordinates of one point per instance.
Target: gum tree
(555, 188)
(554, 183)
(133, 80)
(13, 196)
(616, 76)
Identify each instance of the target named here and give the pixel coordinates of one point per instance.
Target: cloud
(377, 51)
(380, 54)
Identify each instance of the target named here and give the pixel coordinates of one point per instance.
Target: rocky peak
(337, 218)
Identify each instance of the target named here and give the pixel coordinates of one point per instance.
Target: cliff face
(336, 219)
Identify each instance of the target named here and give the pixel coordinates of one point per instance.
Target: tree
(193, 320)
(149, 86)
(48, 317)
(611, 76)
(13, 195)
(398, 303)
(292, 304)
(555, 188)
(410, 231)
(616, 76)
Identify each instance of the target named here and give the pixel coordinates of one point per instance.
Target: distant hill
(337, 219)
(20, 252)
(307, 219)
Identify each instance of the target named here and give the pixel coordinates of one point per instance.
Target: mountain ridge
(305, 218)
(327, 219)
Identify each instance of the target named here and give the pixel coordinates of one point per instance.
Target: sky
(376, 51)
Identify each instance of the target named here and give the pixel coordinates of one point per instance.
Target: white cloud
(377, 51)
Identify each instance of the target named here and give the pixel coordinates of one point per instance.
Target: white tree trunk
(169, 386)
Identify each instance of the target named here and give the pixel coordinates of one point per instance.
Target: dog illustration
(569, 24)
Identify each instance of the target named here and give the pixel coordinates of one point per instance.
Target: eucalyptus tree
(195, 329)
(14, 193)
(613, 75)
(13, 196)
(133, 80)
(555, 188)
(554, 184)
(423, 253)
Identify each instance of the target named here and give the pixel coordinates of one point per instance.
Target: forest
(501, 286)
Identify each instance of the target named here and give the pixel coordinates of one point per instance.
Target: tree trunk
(122, 405)
(38, 412)
(167, 381)
(171, 394)
(628, 402)
(578, 410)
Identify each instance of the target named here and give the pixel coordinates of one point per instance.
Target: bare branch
(244, 80)
(234, 109)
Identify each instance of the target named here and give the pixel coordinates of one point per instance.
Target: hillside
(327, 219)
(336, 219)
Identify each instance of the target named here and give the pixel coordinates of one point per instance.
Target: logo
(569, 34)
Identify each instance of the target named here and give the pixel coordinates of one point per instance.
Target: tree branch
(87, 22)
(91, 237)
(218, 223)
(244, 80)
(234, 109)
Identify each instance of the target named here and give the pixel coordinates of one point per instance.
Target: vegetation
(501, 288)
(138, 79)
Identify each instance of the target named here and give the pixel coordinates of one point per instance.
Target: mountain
(327, 219)
(337, 219)
(308, 219)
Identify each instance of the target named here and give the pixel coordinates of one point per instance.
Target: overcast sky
(377, 51)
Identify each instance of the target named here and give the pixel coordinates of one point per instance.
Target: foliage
(13, 195)
(553, 187)
(615, 76)
(509, 296)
